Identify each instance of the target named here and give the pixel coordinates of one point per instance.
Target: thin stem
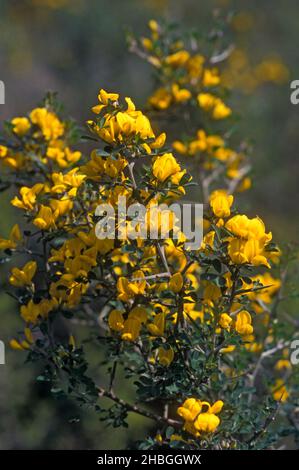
(135, 409)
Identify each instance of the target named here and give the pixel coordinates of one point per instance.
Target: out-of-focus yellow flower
(180, 95)
(21, 125)
(176, 282)
(153, 25)
(279, 391)
(165, 356)
(14, 237)
(180, 147)
(23, 277)
(211, 77)
(283, 364)
(214, 105)
(221, 203)
(178, 59)
(49, 124)
(3, 151)
(161, 99)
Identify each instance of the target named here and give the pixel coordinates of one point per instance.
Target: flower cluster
(38, 142)
(192, 85)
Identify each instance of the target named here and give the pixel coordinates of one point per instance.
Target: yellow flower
(147, 44)
(116, 320)
(243, 227)
(178, 59)
(211, 77)
(228, 349)
(176, 282)
(179, 147)
(165, 166)
(3, 151)
(69, 182)
(225, 321)
(32, 312)
(131, 329)
(123, 125)
(221, 110)
(49, 124)
(61, 206)
(206, 101)
(23, 277)
(221, 203)
(213, 104)
(161, 99)
(206, 422)
(156, 328)
(181, 95)
(45, 218)
(190, 409)
(16, 345)
(28, 197)
(247, 251)
(195, 66)
(159, 142)
(279, 391)
(243, 323)
(104, 99)
(165, 356)
(198, 421)
(14, 237)
(129, 289)
(139, 313)
(67, 289)
(64, 157)
(153, 25)
(283, 364)
(21, 125)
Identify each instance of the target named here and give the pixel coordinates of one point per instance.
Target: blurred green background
(77, 46)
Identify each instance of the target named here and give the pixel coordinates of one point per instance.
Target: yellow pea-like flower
(165, 356)
(23, 277)
(176, 282)
(243, 323)
(165, 166)
(221, 203)
(21, 125)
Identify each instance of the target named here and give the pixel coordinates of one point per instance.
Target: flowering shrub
(198, 331)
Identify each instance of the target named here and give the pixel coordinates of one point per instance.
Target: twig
(223, 55)
(135, 409)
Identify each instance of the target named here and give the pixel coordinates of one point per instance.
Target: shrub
(199, 331)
